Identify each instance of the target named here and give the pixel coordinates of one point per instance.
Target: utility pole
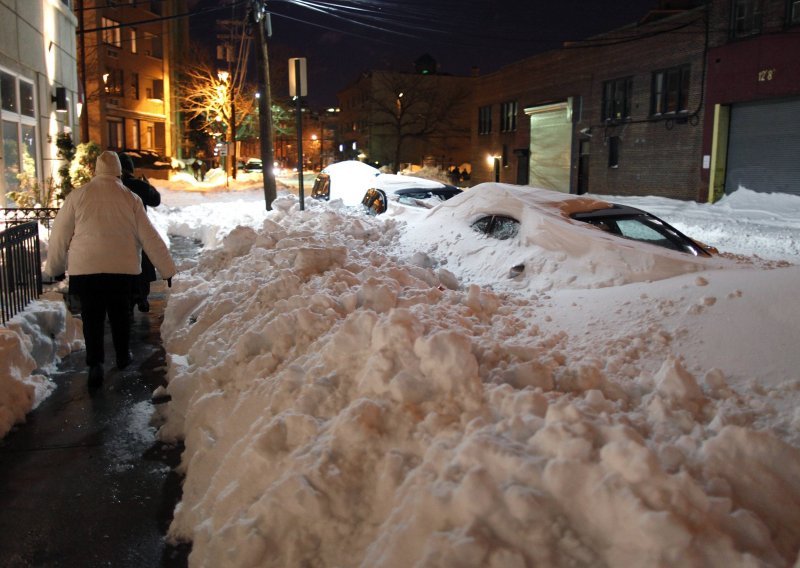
(260, 17)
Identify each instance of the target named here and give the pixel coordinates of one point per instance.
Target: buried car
(545, 238)
(406, 190)
(357, 183)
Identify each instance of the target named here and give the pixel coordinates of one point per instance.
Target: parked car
(356, 183)
(621, 220)
(253, 165)
(406, 190)
(532, 234)
(347, 180)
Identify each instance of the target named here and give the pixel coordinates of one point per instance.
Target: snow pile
(342, 406)
(31, 344)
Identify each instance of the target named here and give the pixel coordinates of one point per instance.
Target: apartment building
(129, 52)
(38, 87)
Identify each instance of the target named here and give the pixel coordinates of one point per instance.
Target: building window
(794, 12)
(134, 48)
(116, 133)
(113, 80)
(111, 36)
(746, 16)
(152, 45)
(670, 91)
(617, 95)
(8, 91)
(135, 86)
(155, 90)
(18, 111)
(26, 104)
(485, 119)
(135, 141)
(508, 117)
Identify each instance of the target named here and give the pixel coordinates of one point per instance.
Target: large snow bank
(31, 344)
(342, 407)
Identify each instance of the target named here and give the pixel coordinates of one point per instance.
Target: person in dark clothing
(149, 196)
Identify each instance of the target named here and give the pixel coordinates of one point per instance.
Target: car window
(505, 228)
(374, 201)
(497, 226)
(322, 187)
(639, 231)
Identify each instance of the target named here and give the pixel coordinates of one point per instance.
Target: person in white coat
(97, 239)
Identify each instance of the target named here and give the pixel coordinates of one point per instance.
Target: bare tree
(405, 107)
(212, 97)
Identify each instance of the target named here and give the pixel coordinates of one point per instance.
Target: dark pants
(102, 294)
(141, 286)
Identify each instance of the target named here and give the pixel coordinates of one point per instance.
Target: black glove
(169, 282)
(60, 277)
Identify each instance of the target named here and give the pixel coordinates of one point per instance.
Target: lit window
(112, 34)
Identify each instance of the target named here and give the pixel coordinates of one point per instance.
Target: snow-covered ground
(348, 398)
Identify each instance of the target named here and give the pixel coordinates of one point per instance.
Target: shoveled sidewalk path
(84, 482)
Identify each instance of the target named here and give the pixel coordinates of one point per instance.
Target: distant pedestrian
(97, 238)
(149, 196)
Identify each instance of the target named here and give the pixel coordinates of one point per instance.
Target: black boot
(124, 360)
(95, 377)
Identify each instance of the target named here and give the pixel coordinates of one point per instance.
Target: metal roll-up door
(550, 146)
(764, 147)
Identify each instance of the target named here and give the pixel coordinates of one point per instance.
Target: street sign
(298, 77)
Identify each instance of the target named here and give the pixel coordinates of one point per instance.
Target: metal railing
(10, 217)
(20, 268)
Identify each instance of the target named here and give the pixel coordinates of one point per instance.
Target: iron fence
(20, 268)
(11, 217)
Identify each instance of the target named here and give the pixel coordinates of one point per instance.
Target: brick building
(752, 111)
(692, 101)
(620, 113)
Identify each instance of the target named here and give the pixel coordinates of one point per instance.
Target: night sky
(342, 38)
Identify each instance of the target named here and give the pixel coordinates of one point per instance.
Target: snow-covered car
(406, 190)
(552, 237)
(621, 220)
(347, 181)
(357, 183)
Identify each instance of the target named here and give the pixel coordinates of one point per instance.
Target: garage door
(550, 146)
(764, 146)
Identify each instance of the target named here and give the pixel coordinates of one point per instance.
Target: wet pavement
(84, 482)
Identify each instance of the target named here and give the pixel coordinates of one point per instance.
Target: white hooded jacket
(103, 227)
